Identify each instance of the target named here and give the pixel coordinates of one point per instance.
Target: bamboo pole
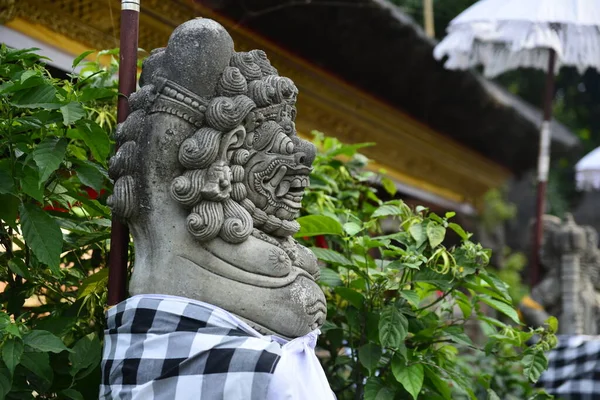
(119, 239)
(543, 168)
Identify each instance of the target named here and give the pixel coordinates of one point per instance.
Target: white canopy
(503, 35)
(588, 171)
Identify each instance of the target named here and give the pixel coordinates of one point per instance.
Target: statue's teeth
(296, 183)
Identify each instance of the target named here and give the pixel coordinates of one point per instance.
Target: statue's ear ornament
(231, 141)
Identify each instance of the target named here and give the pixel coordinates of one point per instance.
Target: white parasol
(503, 35)
(587, 171)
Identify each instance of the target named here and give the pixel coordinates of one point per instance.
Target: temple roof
(365, 72)
(373, 45)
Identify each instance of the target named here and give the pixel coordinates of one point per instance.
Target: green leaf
(492, 395)
(316, 225)
(7, 183)
(442, 387)
(48, 155)
(535, 363)
(29, 122)
(72, 112)
(330, 277)
(28, 74)
(4, 320)
(90, 175)
(411, 296)
(5, 382)
(77, 152)
(93, 93)
(353, 297)
(352, 228)
(441, 281)
(457, 335)
(459, 231)
(39, 364)
(418, 233)
(18, 266)
(435, 234)
(9, 209)
(464, 303)
(496, 283)
(411, 377)
(92, 283)
(11, 353)
(80, 57)
(389, 186)
(44, 341)
(552, 323)
(393, 327)
(504, 308)
(87, 352)
(369, 355)
(386, 210)
(330, 256)
(348, 149)
(94, 137)
(31, 184)
(42, 96)
(375, 390)
(72, 394)
(13, 329)
(42, 234)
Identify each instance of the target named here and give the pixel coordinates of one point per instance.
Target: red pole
(543, 167)
(119, 239)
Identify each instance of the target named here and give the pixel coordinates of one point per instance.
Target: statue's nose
(305, 152)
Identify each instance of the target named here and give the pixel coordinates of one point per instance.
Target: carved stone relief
(570, 286)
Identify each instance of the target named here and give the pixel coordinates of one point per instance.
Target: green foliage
(402, 305)
(54, 143)
(496, 212)
(398, 302)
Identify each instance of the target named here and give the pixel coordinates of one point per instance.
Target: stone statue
(570, 285)
(209, 177)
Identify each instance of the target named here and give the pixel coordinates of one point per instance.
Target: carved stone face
(277, 172)
(210, 176)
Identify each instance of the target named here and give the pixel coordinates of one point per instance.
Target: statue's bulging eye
(282, 144)
(289, 148)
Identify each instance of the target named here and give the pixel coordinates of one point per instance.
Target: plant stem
(439, 299)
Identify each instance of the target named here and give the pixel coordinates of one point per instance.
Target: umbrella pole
(119, 239)
(543, 168)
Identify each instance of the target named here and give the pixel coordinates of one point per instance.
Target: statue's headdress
(235, 105)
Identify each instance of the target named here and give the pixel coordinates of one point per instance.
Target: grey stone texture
(570, 286)
(210, 176)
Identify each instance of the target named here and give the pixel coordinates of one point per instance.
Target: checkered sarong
(164, 347)
(573, 368)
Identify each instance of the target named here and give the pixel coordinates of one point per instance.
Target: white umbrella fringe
(501, 46)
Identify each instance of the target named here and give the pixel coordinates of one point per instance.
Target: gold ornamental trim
(8, 10)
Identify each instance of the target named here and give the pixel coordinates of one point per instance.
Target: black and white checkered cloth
(162, 347)
(573, 368)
